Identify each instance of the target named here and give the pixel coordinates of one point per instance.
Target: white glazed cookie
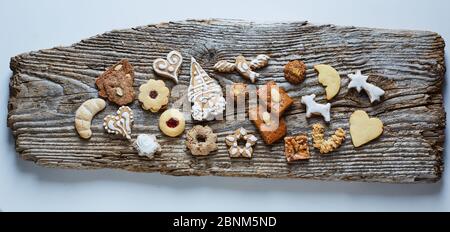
(359, 82)
(147, 145)
(312, 107)
(84, 115)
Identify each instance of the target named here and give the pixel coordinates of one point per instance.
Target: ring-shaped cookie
(234, 149)
(201, 140)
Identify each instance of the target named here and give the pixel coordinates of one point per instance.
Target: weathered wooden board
(48, 86)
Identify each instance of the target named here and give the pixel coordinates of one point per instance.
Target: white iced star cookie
(359, 82)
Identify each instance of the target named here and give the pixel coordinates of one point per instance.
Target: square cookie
(296, 147)
(269, 130)
(276, 98)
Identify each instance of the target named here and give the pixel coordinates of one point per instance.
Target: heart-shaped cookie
(364, 129)
(120, 123)
(169, 68)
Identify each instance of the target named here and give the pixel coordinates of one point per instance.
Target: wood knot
(205, 53)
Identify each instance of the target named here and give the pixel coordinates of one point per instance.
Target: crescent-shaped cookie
(329, 77)
(84, 115)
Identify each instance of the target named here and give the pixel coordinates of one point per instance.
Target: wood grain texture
(48, 86)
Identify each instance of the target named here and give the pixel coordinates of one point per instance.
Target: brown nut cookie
(201, 140)
(276, 98)
(270, 130)
(295, 72)
(296, 147)
(116, 83)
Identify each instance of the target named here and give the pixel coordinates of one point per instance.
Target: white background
(32, 25)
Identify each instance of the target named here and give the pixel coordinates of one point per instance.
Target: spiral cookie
(172, 122)
(201, 140)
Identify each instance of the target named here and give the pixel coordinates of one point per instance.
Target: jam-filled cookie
(154, 95)
(172, 122)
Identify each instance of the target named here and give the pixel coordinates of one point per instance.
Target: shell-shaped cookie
(224, 66)
(260, 61)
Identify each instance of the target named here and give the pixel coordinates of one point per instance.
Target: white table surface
(32, 25)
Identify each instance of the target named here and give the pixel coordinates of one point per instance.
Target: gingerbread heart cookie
(170, 67)
(364, 129)
(120, 123)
